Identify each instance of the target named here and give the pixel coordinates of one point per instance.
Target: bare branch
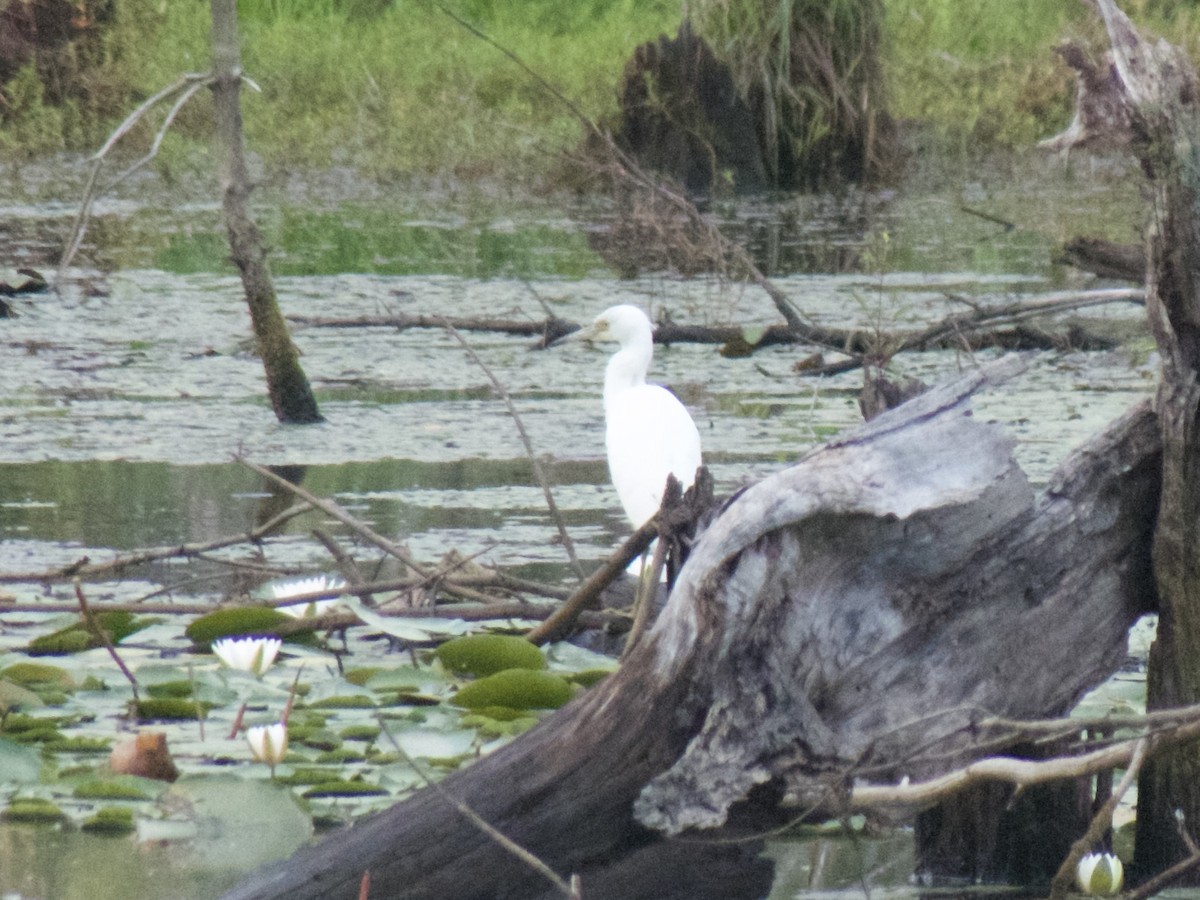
(538, 471)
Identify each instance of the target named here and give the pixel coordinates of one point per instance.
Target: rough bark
(291, 397)
(1159, 88)
(855, 614)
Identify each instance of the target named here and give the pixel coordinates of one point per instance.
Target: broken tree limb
(861, 608)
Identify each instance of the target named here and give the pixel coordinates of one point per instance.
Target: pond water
(130, 389)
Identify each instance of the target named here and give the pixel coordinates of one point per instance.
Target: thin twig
(538, 471)
(561, 620)
(1101, 823)
(335, 511)
(104, 637)
(505, 842)
(79, 226)
(168, 120)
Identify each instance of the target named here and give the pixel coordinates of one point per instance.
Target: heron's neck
(627, 368)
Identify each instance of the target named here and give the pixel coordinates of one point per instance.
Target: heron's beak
(586, 333)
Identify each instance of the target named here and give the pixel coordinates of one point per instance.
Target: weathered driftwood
(857, 613)
(1161, 92)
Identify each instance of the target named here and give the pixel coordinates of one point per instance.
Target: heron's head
(623, 324)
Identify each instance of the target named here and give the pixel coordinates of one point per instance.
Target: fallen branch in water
(980, 326)
(85, 568)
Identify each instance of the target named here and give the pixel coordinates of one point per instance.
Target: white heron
(648, 432)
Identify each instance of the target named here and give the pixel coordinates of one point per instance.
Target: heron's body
(648, 432)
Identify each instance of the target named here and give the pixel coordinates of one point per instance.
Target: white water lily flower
(311, 584)
(1101, 874)
(249, 654)
(268, 743)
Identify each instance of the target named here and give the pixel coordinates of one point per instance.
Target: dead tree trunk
(291, 397)
(1159, 87)
(855, 615)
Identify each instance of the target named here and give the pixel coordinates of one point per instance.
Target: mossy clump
(110, 820)
(515, 689)
(244, 620)
(360, 733)
(339, 788)
(32, 811)
(487, 654)
(171, 709)
(105, 789)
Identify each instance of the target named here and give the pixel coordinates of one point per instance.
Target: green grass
(395, 89)
(983, 75)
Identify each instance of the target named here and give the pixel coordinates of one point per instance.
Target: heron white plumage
(648, 432)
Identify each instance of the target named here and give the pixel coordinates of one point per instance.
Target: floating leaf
(240, 823)
(19, 764)
(29, 674)
(515, 689)
(487, 654)
(13, 696)
(413, 630)
(430, 744)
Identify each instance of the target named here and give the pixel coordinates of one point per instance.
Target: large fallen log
(858, 613)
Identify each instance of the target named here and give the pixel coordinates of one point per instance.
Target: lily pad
(240, 823)
(14, 696)
(487, 654)
(515, 689)
(19, 763)
(33, 675)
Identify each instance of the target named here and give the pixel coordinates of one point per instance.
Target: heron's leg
(647, 592)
